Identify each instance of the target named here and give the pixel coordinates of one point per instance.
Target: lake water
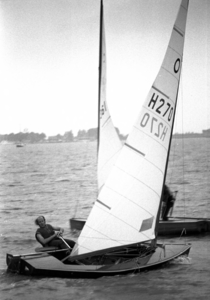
(59, 181)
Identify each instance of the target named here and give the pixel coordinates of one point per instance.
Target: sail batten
(179, 31)
(134, 149)
(133, 188)
(103, 204)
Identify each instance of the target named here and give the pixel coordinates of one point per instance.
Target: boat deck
(48, 266)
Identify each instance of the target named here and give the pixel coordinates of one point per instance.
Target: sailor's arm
(44, 241)
(56, 228)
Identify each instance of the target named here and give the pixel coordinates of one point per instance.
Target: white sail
(127, 206)
(109, 144)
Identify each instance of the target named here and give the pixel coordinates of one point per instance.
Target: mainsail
(127, 206)
(109, 144)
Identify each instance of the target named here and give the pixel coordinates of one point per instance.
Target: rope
(83, 176)
(183, 148)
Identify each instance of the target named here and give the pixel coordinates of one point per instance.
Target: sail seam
(111, 157)
(138, 181)
(180, 55)
(106, 121)
(132, 200)
(185, 8)
(150, 135)
(134, 203)
(148, 162)
(108, 237)
(81, 246)
(170, 72)
(121, 242)
(160, 92)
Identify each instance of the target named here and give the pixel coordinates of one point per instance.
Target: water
(59, 182)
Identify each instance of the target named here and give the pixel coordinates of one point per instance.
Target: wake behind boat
(120, 234)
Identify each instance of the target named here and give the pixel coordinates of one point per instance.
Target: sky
(49, 56)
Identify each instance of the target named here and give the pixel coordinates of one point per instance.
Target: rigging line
(172, 164)
(207, 146)
(183, 145)
(84, 160)
(207, 169)
(172, 155)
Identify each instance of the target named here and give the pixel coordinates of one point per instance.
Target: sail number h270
(161, 111)
(164, 112)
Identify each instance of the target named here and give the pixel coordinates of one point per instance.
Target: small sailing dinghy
(120, 234)
(19, 145)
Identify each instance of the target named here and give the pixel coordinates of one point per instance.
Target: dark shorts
(60, 244)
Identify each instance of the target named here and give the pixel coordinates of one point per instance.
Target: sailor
(47, 236)
(167, 202)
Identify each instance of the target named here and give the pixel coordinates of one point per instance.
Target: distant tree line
(23, 137)
(31, 137)
(93, 134)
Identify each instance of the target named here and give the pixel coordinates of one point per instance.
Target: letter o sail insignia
(177, 65)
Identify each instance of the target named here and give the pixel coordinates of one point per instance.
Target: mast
(99, 68)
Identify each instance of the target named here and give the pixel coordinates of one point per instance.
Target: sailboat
(19, 145)
(109, 146)
(120, 234)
